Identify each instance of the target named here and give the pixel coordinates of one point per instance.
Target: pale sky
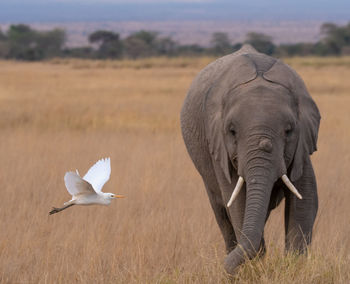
(300, 3)
(239, 2)
(180, 10)
(108, 1)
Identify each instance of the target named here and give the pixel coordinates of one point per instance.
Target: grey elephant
(250, 126)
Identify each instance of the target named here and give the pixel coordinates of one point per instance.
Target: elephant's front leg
(300, 214)
(220, 212)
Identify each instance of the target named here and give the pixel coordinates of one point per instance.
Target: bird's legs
(56, 210)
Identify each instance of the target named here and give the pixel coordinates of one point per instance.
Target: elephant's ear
(308, 114)
(237, 70)
(216, 143)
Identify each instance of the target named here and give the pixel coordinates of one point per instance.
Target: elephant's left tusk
(236, 191)
(290, 186)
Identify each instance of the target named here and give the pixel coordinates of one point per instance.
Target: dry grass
(63, 115)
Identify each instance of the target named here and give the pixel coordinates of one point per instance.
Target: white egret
(87, 190)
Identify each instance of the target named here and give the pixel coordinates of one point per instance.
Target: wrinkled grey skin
(250, 115)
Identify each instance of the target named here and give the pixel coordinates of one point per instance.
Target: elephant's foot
(297, 243)
(299, 249)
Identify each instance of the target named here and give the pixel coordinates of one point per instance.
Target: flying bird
(87, 190)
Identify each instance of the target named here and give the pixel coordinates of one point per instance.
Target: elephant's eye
(288, 130)
(232, 131)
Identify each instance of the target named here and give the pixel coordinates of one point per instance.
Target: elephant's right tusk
(290, 186)
(236, 191)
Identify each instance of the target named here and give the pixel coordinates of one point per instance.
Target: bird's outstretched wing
(76, 185)
(99, 174)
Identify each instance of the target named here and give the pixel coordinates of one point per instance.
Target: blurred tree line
(24, 43)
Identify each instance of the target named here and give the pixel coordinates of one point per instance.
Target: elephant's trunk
(260, 175)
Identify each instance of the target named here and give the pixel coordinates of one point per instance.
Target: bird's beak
(119, 196)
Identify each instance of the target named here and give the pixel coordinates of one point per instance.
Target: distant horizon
(191, 32)
(187, 21)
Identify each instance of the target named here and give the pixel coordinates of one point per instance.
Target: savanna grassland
(65, 114)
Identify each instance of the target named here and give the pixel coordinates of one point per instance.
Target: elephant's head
(262, 124)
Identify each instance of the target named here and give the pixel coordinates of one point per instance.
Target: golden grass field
(65, 114)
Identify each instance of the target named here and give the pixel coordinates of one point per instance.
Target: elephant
(250, 126)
